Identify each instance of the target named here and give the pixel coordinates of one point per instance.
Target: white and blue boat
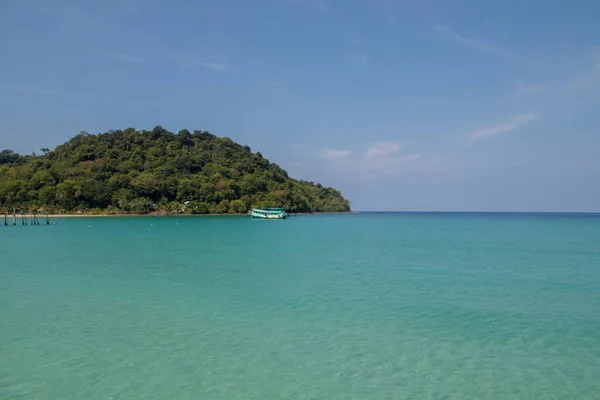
(268, 213)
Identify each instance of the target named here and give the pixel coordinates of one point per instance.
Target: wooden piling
(34, 218)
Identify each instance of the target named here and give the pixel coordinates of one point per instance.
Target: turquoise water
(366, 306)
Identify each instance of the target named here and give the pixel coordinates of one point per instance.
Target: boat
(268, 213)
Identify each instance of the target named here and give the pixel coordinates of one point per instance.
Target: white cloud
(474, 43)
(214, 66)
(330, 154)
(383, 149)
(384, 156)
(507, 126)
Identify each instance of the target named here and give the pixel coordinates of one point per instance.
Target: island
(156, 171)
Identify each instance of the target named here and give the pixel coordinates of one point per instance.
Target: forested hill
(141, 171)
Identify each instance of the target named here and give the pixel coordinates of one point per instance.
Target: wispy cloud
(125, 57)
(171, 57)
(384, 156)
(522, 89)
(584, 79)
(187, 61)
(330, 154)
(214, 66)
(404, 158)
(507, 126)
(474, 43)
(560, 90)
(596, 55)
(591, 75)
(387, 8)
(34, 90)
(383, 149)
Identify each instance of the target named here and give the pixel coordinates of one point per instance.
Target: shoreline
(156, 215)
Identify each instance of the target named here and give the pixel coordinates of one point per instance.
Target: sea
(350, 306)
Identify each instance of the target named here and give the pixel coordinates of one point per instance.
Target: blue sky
(402, 105)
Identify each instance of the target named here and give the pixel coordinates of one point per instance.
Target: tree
(237, 207)
(141, 205)
(222, 207)
(145, 184)
(42, 178)
(65, 194)
(96, 193)
(134, 170)
(8, 157)
(9, 190)
(122, 199)
(47, 195)
(173, 207)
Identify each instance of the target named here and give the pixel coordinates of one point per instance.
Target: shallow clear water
(366, 306)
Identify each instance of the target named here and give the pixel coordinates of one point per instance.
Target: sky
(439, 105)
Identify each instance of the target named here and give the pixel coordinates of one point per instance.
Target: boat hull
(268, 214)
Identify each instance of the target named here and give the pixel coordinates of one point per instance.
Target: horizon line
(472, 212)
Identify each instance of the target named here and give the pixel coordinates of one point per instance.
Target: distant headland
(134, 172)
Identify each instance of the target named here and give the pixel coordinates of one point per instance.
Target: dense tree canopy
(141, 171)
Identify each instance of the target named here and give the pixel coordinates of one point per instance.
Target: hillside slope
(142, 171)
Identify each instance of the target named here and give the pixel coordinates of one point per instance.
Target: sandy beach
(40, 216)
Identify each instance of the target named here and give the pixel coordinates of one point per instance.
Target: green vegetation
(140, 172)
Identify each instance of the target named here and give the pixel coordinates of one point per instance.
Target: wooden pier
(28, 217)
